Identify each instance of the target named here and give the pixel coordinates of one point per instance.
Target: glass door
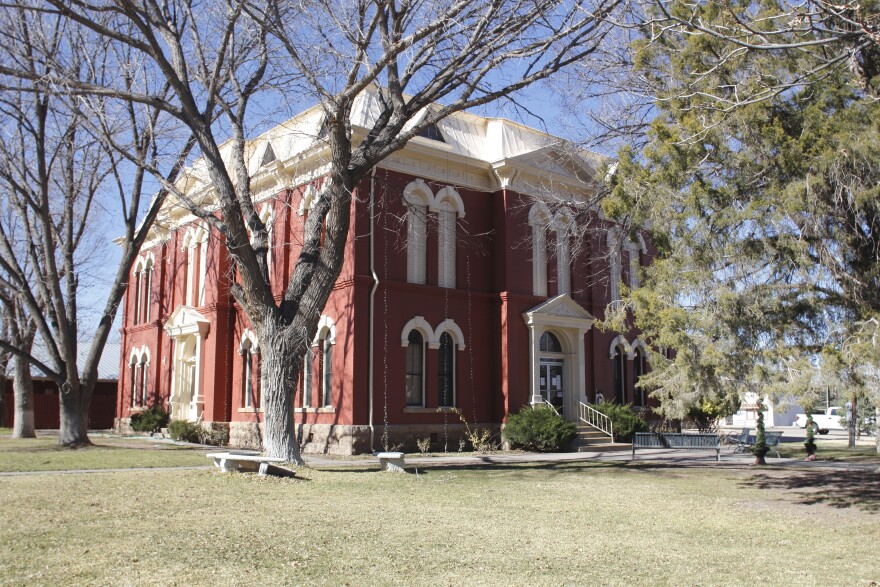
(552, 383)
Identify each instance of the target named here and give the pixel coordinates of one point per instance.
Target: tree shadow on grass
(835, 488)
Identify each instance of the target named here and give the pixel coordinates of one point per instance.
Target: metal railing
(596, 419)
(552, 407)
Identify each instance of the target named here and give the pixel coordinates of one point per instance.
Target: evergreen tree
(766, 217)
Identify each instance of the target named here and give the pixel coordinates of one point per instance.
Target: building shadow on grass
(835, 488)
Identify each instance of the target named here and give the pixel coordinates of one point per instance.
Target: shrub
(626, 422)
(540, 429)
(214, 436)
(151, 419)
(184, 430)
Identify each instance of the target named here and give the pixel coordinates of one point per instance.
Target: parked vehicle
(823, 420)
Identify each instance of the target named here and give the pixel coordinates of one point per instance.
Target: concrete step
(603, 447)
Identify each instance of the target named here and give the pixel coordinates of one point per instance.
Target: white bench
(229, 461)
(391, 461)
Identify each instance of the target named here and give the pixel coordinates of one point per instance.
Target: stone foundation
(337, 439)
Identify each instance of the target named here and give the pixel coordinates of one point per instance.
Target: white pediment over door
(186, 320)
(560, 311)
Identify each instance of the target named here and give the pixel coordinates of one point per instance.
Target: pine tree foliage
(766, 217)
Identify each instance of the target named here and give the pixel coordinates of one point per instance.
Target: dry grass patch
(42, 454)
(554, 524)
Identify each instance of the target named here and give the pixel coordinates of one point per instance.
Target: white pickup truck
(823, 421)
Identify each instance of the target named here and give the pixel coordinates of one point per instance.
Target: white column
(197, 398)
(534, 372)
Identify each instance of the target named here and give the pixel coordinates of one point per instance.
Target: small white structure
(391, 461)
(227, 462)
(774, 415)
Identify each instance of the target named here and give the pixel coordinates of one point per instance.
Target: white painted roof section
(490, 140)
(108, 364)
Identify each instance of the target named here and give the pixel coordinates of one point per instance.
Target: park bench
(230, 461)
(391, 461)
(676, 441)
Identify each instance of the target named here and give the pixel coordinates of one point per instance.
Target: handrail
(596, 419)
(552, 407)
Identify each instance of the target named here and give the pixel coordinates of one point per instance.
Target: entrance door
(552, 383)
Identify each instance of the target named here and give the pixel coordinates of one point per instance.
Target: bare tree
(19, 329)
(64, 160)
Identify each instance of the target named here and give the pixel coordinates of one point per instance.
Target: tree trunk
(877, 428)
(74, 406)
(278, 375)
(23, 390)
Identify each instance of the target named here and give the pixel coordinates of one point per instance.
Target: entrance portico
(556, 353)
(187, 328)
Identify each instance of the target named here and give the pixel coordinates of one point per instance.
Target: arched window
(561, 225)
(549, 343)
(417, 197)
(614, 270)
(319, 361)
(327, 373)
(148, 290)
(138, 288)
(638, 371)
(619, 375)
(249, 352)
(448, 204)
(307, 378)
(415, 360)
(446, 371)
(134, 367)
(539, 219)
(139, 365)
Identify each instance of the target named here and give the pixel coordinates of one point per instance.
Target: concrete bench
(676, 441)
(229, 461)
(391, 461)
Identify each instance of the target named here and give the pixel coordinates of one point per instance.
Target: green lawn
(560, 524)
(832, 450)
(42, 454)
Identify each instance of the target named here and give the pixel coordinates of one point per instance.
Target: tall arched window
(145, 378)
(446, 371)
(134, 367)
(562, 225)
(448, 205)
(307, 378)
(614, 268)
(249, 353)
(417, 196)
(143, 280)
(619, 375)
(148, 290)
(638, 371)
(326, 372)
(539, 219)
(415, 360)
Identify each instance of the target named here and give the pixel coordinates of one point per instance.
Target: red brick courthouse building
(464, 286)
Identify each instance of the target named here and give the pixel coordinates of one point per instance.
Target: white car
(823, 420)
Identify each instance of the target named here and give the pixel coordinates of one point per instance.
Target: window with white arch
(415, 369)
(448, 205)
(417, 197)
(267, 217)
(318, 392)
(139, 365)
(562, 222)
(195, 245)
(614, 266)
(143, 277)
(249, 350)
(539, 220)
